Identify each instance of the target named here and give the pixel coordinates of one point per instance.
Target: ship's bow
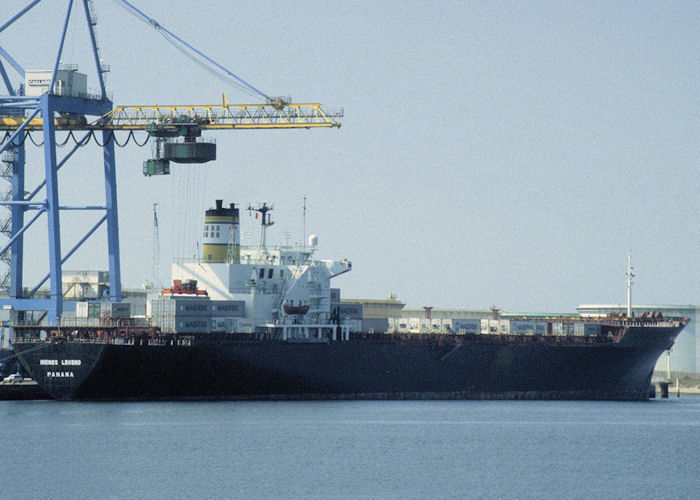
(59, 367)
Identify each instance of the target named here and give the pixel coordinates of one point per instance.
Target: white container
(520, 327)
(466, 325)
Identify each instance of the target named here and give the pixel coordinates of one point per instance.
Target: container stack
(225, 315)
(107, 310)
(182, 315)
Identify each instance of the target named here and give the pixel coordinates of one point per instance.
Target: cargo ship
(261, 322)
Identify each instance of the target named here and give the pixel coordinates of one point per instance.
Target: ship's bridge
(277, 255)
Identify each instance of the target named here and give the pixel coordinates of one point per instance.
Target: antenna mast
(156, 250)
(303, 236)
(266, 221)
(629, 275)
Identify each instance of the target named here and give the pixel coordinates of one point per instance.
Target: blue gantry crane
(48, 102)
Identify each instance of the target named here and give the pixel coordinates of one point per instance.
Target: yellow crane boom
(224, 116)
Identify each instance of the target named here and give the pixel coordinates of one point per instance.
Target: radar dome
(313, 240)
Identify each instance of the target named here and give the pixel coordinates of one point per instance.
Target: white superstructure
(281, 286)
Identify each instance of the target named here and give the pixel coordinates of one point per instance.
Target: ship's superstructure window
(262, 273)
(269, 274)
(281, 273)
(212, 230)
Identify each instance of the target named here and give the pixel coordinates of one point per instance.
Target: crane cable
(91, 135)
(188, 50)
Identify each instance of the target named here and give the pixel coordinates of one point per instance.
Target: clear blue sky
(506, 153)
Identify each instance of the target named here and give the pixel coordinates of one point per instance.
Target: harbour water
(363, 449)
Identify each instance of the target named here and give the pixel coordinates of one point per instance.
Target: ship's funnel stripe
(218, 218)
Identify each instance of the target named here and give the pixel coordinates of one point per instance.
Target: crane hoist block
(156, 167)
(189, 152)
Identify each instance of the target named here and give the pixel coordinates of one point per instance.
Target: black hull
(370, 368)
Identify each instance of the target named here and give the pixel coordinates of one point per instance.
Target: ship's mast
(156, 250)
(303, 236)
(266, 221)
(629, 275)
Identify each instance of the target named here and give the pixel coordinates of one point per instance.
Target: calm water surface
(366, 449)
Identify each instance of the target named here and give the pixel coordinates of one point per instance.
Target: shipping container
(115, 310)
(227, 325)
(466, 325)
(87, 309)
(81, 309)
(230, 325)
(591, 329)
(228, 308)
(398, 325)
(493, 325)
(446, 325)
(187, 324)
(191, 324)
(521, 327)
(181, 315)
(181, 306)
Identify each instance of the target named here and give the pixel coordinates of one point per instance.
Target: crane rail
(208, 117)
